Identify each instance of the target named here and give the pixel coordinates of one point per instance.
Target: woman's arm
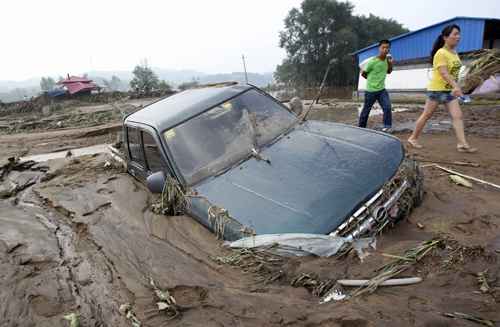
(457, 91)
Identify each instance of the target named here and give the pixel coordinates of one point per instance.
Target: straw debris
(259, 261)
(313, 284)
(218, 218)
(400, 264)
(485, 64)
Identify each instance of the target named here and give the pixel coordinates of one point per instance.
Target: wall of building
(415, 79)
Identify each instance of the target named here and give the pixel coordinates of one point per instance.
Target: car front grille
(380, 211)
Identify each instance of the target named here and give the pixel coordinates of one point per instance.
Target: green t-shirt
(377, 71)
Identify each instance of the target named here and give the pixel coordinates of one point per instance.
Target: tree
(47, 84)
(114, 84)
(145, 80)
(164, 86)
(321, 30)
(188, 85)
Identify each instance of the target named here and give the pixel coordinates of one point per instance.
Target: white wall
(407, 79)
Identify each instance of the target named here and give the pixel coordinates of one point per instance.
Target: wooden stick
(464, 176)
(456, 163)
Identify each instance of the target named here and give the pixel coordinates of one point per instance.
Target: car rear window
(152, 153)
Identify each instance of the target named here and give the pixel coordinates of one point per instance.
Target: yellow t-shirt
(444, 57)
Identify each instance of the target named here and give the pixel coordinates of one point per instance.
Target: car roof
(175, 109)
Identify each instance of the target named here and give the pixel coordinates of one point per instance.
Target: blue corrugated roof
(417, 44)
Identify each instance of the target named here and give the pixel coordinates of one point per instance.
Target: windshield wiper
(253, 128)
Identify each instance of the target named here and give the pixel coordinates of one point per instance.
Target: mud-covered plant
(73, 318)
(165, 302)
(126, 310)
(218, 218)
(482, 280)
(173, 200)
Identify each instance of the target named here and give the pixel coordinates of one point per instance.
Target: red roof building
(75, 84)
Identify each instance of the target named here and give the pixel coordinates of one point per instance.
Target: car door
(137, 164)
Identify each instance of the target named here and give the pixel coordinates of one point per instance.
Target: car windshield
(213, 141)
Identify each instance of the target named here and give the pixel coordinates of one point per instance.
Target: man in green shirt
(375, 72)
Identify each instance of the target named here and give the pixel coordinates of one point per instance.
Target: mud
(63, 125)
(83, 240)
(480, 120)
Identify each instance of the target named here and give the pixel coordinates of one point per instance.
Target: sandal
(414, 144)
(466, 149)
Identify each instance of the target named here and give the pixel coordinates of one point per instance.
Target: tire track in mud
(61, 235)
(101, 275)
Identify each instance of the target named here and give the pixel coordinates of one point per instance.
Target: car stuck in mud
(243, 164)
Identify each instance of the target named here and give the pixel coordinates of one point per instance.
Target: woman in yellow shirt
(443, 87)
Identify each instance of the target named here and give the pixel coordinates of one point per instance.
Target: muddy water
(89, 150)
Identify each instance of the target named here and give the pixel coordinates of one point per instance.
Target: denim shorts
(440, 96)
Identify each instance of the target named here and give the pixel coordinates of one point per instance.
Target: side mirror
(156, 181)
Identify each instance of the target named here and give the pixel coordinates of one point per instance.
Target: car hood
(319, 174)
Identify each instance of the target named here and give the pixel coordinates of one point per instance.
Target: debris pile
(485, 65)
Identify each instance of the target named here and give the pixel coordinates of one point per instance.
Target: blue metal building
(477, 33)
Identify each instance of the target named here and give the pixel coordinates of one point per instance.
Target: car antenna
(316, 99)
(245, 68)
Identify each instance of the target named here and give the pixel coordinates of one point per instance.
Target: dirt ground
(79, 237)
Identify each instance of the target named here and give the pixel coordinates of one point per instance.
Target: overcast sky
(55, 37)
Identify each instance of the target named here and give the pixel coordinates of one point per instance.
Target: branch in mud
(469, 317)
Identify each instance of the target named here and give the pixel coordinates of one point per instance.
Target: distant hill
(6, 86)
(177, 77)
(18, 90)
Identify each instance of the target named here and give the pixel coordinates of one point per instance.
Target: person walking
(375, 72)
(443, 88)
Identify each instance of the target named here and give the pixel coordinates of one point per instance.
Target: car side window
(134, 145)
(152, 153)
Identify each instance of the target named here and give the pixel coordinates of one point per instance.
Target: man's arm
(389, 65)
(367, 69)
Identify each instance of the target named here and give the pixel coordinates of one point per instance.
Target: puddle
(100, 148)
(430, 127)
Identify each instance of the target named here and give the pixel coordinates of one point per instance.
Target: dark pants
(383, 99)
